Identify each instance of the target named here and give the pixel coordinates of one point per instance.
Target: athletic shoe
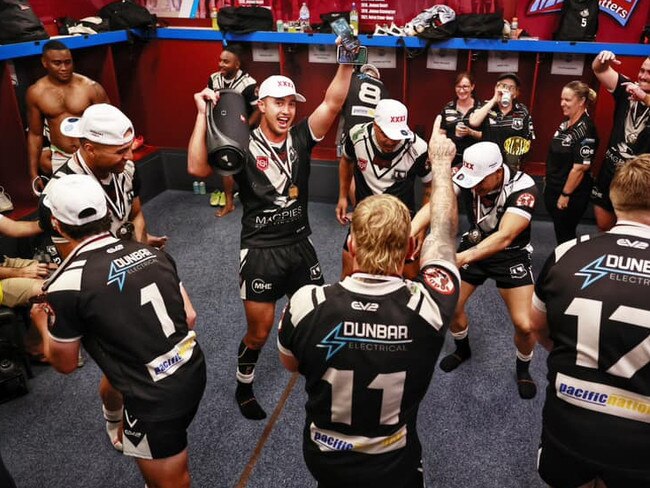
(215, 197)
(222, 199)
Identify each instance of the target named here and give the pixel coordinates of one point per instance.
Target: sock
(525, 384)
(460, 355)
(248, 406)
(113, 420)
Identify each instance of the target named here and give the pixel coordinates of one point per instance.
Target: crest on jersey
(619, 10)
(526, 200)
(439, 280)
(262, 162)
(518, 123)
(362, 163)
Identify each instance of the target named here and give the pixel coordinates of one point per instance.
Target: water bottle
(195, 187)
(354, 19)
(202, 190)
(279, 25)
(304, 17)
(213, 18)
(514, 26)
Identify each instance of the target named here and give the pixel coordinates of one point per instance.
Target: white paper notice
(503, 62)
(442, 59)
(382, 57)
(266, 53)
(320, 53)
(568, 64)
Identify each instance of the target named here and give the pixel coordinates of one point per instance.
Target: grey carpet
(475, 430)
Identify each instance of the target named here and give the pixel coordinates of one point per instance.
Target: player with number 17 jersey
(595, 292)
(368, 346)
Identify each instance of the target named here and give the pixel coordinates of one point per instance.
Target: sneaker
(215, 197)
(222, 199)
(380, 30)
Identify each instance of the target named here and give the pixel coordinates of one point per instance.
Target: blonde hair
(381, 225)
(629, 188)
(582, 90)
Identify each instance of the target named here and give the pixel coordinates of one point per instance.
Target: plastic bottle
(279, 25)
(354, 19)
(213, 18)
(202, 190)
(195, 187)
(514, 27)
(304, 17)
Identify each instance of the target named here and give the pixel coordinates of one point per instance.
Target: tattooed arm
(440, 243)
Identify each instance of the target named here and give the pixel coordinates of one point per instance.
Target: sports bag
(244, 20)
(13, 377)
(19, 23)
(433, 24)
(128, 15)
(578, 21)
(481, 26)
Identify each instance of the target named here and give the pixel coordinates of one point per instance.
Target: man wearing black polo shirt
(630, 132)
(276, 255)
(506, 121)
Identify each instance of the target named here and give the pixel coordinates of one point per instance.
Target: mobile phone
(343, 56)
(342, 29)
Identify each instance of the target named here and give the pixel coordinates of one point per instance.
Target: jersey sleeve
(293, 318)
(250, 94)
(523, 202)
(348, 148)
(67, 326)
(619, 92)
(528, 122)
(540, 295)
(440, 281)
(137, 182)
(303, 133)
(211, 83)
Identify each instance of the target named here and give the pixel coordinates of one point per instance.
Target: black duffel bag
(128, 15)
(481, 26)
(19, 23)
(244, 20)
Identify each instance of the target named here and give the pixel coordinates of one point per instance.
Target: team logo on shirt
(526, 200)
(618, 268)
(517, 124)
(362, 163)
(439, 280)
(130, 263)
(365, 336)
(262, 163)
(518, 271)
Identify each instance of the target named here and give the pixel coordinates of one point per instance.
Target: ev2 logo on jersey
(367, 307)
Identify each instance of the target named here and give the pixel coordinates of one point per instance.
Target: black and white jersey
(271, 217)
(120, 189)
(451, 117)
(363, 96)
(595, 294)
(518, 195)
(631, 129)
(499, 127)
(367, 347)
(122, 299)
(575, 144)
(241, 83)
(376, 173)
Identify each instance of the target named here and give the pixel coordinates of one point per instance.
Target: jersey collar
(372, 284)
(629, 227)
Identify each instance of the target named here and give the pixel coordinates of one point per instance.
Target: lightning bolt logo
(116, 275)
(333, 342)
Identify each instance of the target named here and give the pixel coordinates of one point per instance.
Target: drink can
(506, 98)
(202, 188)
(459, 127)
(195, 187)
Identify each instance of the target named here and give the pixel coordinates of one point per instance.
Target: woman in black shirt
(568, 181)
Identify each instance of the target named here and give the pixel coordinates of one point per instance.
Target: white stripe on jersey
(538, 303)
(69, 280)
(562, 249)
(429, 309)
(302, 303)
(518, 211)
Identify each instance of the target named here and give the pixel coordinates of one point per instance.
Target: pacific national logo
(365, 336)
(619, 10)
(618, 268)
(128, 264)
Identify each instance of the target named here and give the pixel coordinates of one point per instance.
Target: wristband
(565, 194)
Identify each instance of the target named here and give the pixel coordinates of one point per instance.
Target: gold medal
(293, 192)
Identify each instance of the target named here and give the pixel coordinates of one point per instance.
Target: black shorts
(267, 274)
(510, 268)
(160, 439)
(561, 468)
(600, 190)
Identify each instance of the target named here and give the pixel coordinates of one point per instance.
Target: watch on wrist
(565, 194)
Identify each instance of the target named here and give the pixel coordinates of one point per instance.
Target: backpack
(13, 376)
(578, 21)
(481, 26)
(19, 23)
(243, 20)
(128, 15)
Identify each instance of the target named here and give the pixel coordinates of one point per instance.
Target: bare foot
(225, 210)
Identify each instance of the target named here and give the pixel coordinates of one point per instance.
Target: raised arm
(443, 219)
(197, 151)
(602, 66)
(325, 114)
(477, 117)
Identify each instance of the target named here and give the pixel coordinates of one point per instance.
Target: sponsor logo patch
(260, 286)
(365, 336)
(262, 163)
(518, 271)
(619, 268)
(128, 264)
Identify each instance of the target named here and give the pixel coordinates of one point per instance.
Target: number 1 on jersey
(151, 294)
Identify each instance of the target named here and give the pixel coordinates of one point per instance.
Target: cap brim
(71, 127)
(397, 134)
(464, 180)
(300, 98)
(297, 96)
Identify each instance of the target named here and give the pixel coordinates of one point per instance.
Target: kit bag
(578, 21)
(13, 376)
(19, 23)
(244, 20)
(481, 26)
(128, 15)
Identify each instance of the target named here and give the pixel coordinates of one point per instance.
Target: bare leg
(171, 472)
(458, 329)
(228, 189)
(112, 403)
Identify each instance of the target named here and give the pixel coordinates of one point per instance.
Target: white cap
(76, 199)
(370, 70)
(101, 123)
(392, 118)
(479, 160)
(278, 86)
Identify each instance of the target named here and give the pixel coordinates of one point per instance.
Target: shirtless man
(59, 94)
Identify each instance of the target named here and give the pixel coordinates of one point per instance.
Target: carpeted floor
(475, 430)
